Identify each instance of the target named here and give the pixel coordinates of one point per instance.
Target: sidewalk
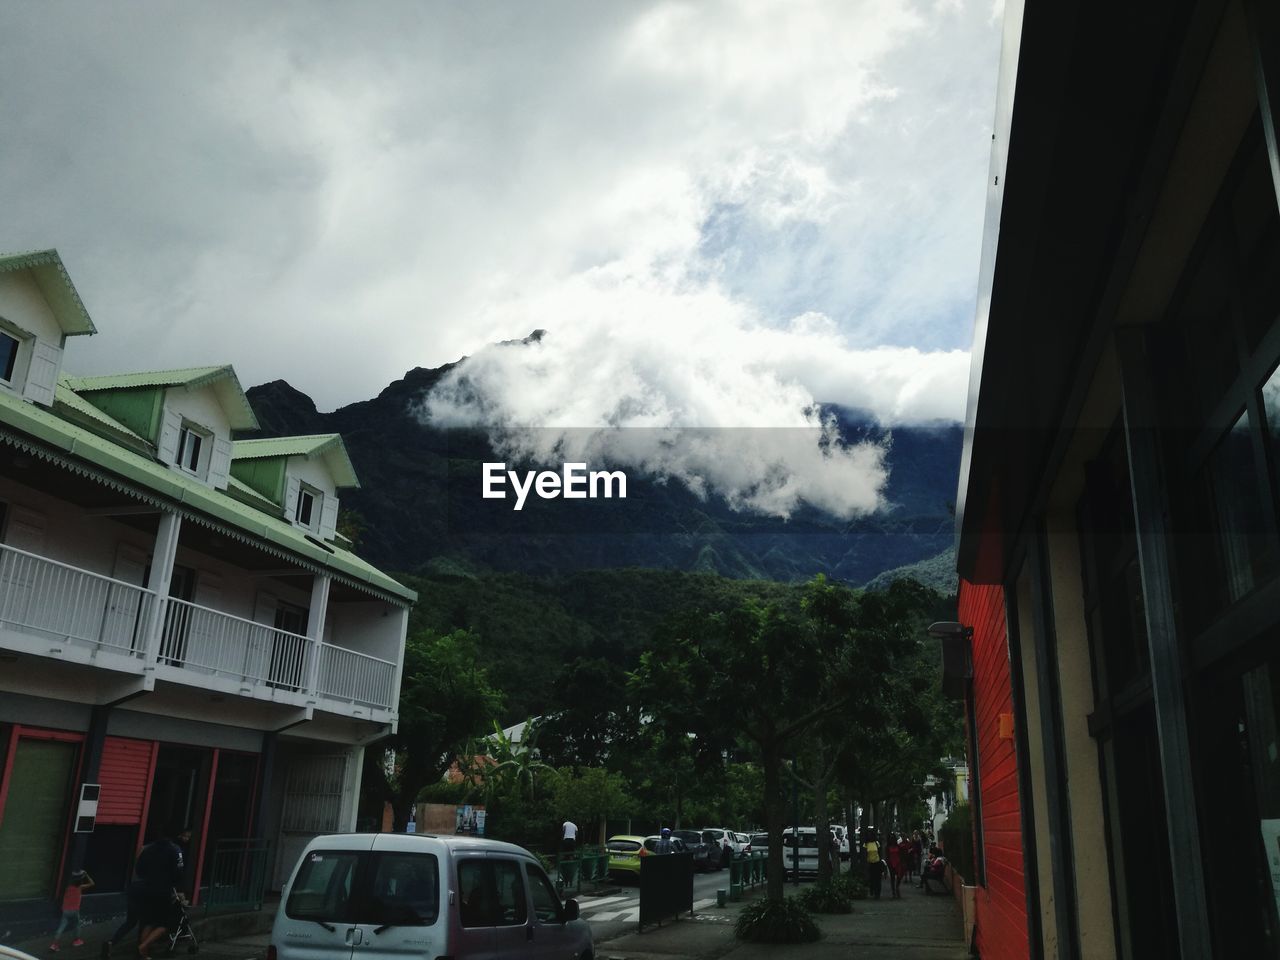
(916, 927)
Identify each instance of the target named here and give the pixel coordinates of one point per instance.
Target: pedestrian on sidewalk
(875, 864)
(161, 870)
(895, 867)
(568, 836)
(71, 897)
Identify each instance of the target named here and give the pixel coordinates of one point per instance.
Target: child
(78, 884)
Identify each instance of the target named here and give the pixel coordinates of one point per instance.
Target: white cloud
(331, 193)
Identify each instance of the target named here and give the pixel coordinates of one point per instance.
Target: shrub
(957, 842)
(826, 898)
(770, 921)
(852, 885)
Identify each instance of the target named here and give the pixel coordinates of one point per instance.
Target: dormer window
(193, 447)
(307, 512)
(8, 356)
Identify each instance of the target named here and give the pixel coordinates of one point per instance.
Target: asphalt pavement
(618, 910)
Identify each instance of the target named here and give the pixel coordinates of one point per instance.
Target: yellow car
(625, 852)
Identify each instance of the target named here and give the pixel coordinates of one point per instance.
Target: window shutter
(170, 427)
(42, 373)
(328, 517)
(291, 498)
(220, 464)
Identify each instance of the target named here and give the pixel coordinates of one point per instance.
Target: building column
(316, 615)
(161, 573)
(95, 740)
(266, 767)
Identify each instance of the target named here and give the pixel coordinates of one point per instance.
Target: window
(307, 512)
(492, 893)
(8, 356)
(322, 890)
(546, 905)
(405, 890)
(191, 443)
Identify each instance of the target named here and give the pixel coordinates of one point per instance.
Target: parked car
(625, 852)
(705, 854)
(842, 835)
(727, 841)
(759, 843)
(743, 845)
(398, 895)
(808, 851)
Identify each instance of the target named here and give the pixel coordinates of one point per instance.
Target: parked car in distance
(743, 845)
(808, 851)
(727, 841)
(759, 843)
(842, 835)
(398, 895)
(705, 854)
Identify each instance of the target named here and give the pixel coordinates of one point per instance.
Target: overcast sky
(719, 211)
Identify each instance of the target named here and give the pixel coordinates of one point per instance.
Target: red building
(1001, 900)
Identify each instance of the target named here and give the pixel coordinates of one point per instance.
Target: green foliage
(445, 698)
(957, 841)
(588, 794)
(445, 792)
(850, 884)
(777, 921)
(826, 898)
(516, 762)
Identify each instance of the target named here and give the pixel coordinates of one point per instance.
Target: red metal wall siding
(1002, 904)
(125, 770)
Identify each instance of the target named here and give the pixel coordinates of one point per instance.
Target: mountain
(420, 510)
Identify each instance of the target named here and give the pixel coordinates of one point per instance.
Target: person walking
(160, 869)
(894, 863)
(875, 864)
(568, 836)
(71, 897)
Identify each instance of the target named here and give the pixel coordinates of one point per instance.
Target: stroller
(180, 928)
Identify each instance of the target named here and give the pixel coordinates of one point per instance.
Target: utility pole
(795, 823)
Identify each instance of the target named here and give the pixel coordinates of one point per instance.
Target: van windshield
(390, 888)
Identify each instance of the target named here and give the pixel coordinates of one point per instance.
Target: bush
(769, 921)
(826, 898)
(957, 842)
(851, 884)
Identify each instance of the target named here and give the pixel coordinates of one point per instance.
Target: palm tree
(517, 759)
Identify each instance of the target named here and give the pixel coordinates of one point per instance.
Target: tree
(589, 795)
(516, 760)
(768, 678)
(445, 698)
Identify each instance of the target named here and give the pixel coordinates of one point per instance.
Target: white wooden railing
(95, 612)
(355, 677)
(205, 640)
(83, 608)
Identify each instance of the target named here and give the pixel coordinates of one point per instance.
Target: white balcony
(55, 609)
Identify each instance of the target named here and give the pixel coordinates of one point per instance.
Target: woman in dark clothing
(894, 859)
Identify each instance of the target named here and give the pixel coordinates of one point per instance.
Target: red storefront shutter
(125, 775)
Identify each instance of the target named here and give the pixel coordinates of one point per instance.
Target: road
(618, 912)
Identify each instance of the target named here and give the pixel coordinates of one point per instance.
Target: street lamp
(957, 657)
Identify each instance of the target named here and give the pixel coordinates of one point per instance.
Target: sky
(722, 212)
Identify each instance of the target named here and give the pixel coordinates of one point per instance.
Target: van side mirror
(570, 911)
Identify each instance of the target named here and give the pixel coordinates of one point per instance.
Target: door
(33, 831)
(177, 622)
(287, 651)
(121, 621)
(317, 918)
(552, 937)
(474, 908)
(512, 929)
(400, 907)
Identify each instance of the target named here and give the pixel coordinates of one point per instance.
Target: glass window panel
(8, 356)
(546, 905)
(405, 890)
(1244, 552)
(476, 907)
(322, 890)
(512, 907)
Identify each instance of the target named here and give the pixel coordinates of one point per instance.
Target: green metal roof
(65, 395)
(223, 378)
(193, 498)
(56, 286)
(328, 445)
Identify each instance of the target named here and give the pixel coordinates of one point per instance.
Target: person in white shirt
(569, 836)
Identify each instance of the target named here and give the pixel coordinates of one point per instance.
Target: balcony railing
(356, 677)
(209, 641)
(98, 613)
(86, 609)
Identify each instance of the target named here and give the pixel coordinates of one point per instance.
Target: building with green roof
(181, 624)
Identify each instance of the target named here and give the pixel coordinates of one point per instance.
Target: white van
(391, 896)
(808, 851)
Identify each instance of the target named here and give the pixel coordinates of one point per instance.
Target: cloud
(681, 381)
(331, 193)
